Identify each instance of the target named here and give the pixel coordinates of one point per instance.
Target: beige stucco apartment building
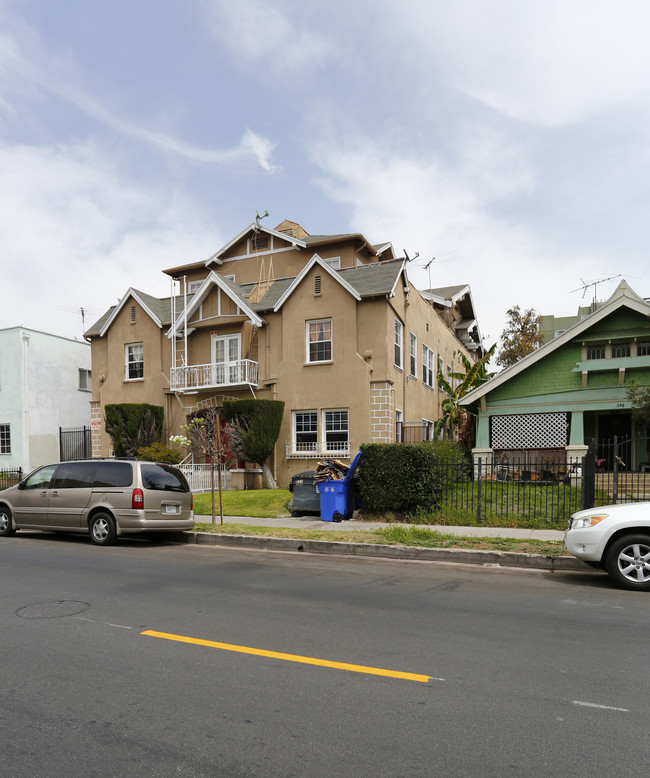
(330, 324)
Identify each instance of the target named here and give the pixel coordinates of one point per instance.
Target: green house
(571, 391)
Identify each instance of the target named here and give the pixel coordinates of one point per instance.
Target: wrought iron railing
(338, 449)
(192, 377)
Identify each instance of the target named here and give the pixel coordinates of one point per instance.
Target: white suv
(616, 538)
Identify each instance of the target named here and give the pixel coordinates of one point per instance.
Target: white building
(45, 384)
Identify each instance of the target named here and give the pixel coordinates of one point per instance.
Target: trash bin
(306, 498)
(335, 502)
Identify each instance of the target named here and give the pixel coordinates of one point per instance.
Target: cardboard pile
(331, 470)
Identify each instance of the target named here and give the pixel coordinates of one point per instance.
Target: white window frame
(301, 446)
(333, 262)
(398, 343)
(85, 380)
(428, 361)
(413, 355)
(5, 438)
(308, 341)
(343, 447)
(129, 361)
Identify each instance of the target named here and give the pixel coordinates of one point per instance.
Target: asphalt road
(506, 671)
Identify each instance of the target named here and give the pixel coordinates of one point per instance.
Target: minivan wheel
(628, 562)
(102, 529)
(6, 526)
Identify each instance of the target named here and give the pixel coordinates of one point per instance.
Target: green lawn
(258, 503)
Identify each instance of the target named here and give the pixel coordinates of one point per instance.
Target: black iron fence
(75, 443)
(617, 470)
(10, 477)
(544, 492)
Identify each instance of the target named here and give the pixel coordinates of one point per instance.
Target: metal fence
(75, 443)
(10, 477)
(617, 470)
(548, 491)
(199, 478)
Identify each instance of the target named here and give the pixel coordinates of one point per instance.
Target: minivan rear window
(114, 474)
(163, 478)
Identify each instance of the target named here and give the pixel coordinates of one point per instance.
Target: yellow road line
(307, 660)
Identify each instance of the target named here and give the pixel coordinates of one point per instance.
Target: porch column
(482, 449)
(576, 448)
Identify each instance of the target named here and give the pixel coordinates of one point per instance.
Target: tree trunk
(268, 476)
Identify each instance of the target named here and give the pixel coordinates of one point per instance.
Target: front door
(226, 359)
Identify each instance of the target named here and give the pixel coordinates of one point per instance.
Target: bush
(133, 425)
(404, 478)
(158, 452)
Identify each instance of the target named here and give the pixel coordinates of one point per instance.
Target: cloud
(546, 62)
(261, 34)
(422, 203)
(77, 234)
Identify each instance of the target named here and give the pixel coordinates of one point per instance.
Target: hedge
(403, 477)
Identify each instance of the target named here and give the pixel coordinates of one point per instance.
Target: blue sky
(510, 140)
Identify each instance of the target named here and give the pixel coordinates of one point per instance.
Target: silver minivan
(103, 497)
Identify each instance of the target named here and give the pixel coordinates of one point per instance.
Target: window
(319, 340)
(85, 377)
(193, 287)
(399, 416)
(333, 262)
(114, 474)
(335, 425)
(260, 241)
(596, 351)
(398, 330)
(41, 478)
(226, 359)
(620, 350)
(305, 431)
(413, 367)
(428, 359)
(5, 438)
(134, 361)
(643, 348)
(74, 475)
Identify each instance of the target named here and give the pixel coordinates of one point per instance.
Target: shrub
(403, 478)
(133, 425)
(158, 452)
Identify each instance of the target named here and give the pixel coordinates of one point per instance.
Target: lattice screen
(530, 430)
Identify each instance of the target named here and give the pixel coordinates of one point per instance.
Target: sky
(506, 143)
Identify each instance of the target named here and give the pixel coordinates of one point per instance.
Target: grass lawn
(393, 536)
(258, 503)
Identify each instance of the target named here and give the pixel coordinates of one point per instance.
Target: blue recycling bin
(334, 495)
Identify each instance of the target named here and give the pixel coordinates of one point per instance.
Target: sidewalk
(490, 558)
(312, 521)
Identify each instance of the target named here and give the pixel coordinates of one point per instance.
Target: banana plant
(476, 373)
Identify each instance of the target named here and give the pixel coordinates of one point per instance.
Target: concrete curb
(458, 555)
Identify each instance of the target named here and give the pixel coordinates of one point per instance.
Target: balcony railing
(339, 449)
(193, 377)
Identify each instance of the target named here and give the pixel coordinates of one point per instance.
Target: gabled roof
(151, 306)
(376, 279)
(231, 289)
(623, 297)
(315, 260)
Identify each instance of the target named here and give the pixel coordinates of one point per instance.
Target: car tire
(628, 562)
(6, 524)
(102, 529)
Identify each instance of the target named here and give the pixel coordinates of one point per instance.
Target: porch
(192, 378)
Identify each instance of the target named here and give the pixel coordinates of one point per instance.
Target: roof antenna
(411, 259)
(586, 285)
(260, 216)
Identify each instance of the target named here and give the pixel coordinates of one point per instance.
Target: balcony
(340, 449)
(213, 376)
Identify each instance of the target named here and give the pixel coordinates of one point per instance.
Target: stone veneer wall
(96, 428)
(382, 412)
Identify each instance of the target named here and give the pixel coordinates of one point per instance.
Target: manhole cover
(52, 610)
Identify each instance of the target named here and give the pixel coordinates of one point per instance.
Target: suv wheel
(102, 529)
(6, 527)
(628, 562)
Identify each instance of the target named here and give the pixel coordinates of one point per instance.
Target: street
(265, 663)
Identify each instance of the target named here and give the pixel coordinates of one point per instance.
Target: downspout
(25, 393)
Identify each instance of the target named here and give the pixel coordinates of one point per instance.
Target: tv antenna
(587, 284)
